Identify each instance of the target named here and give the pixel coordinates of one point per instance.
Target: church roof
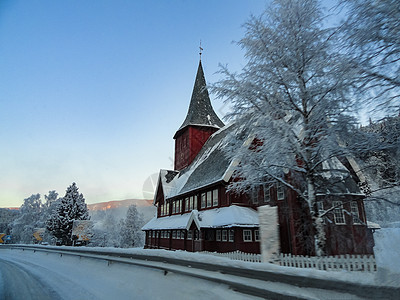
(210, 166)
(223, 217)
(200, 111)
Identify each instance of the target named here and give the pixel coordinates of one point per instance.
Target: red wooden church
(195, 212)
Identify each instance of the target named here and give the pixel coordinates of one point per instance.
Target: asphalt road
(18, 283)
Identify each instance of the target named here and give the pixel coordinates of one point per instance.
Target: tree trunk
(319, 230)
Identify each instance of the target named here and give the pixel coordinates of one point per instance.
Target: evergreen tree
(49, 208)
(131, 228)
(71, 207)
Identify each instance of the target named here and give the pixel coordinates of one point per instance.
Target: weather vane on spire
(201, 50)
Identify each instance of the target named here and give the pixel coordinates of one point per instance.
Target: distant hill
(119, 208)
(119, 204)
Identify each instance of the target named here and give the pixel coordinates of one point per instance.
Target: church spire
(200, 123)
(200, 111)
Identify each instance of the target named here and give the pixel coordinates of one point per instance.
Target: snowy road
(17, 283)
(28, 275)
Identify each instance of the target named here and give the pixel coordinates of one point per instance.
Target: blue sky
(93, 91)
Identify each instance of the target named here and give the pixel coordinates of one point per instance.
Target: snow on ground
(387, 255)
(70, 277)
(76, 278)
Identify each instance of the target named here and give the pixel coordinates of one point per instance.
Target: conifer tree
(71, 207)
(131, 228)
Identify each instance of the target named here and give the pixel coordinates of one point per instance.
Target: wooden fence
(237, 255)
(361, 263)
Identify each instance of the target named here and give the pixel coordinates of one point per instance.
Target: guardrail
(167, 264)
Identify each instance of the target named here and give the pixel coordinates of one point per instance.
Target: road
(18, 283)
(37, 275)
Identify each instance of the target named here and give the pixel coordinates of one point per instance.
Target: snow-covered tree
(372, 31)
(29, 219)
(131, 228)
(7, 217)
(71, 207)
(106, 232)
(292, 104)
(48, 209)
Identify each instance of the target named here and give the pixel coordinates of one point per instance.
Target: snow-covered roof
(173, 222)
(200, 111)
(231, 216)
(224, 217)
(210, 166)
(338, 185)
(373, 225)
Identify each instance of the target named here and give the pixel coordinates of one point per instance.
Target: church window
(195, 206)
(203, 200)
(224, 235)
(218, 235)
(186, 204)
(254, 195)
(247, 235)
(267, 197)
(280, 191)
(231, 235)
(257, 235)
(174, 234)
(209, 198)
(338, 212)
(189, 234)
(354, 212)
(215, 197)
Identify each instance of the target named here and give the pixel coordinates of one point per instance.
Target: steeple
(200, 111)
(200, 123)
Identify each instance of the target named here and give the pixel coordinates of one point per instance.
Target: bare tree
(293, 101)
(371, 33)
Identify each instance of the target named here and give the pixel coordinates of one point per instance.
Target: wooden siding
(188, 144)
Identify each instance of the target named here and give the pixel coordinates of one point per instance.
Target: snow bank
(387, 255)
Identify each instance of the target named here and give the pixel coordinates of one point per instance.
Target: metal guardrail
(356, 289)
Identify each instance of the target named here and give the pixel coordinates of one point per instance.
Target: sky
(93, 91)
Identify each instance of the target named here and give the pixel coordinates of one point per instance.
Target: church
(197, 212)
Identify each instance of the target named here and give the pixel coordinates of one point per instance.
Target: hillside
(119, 208)
(119, 204)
